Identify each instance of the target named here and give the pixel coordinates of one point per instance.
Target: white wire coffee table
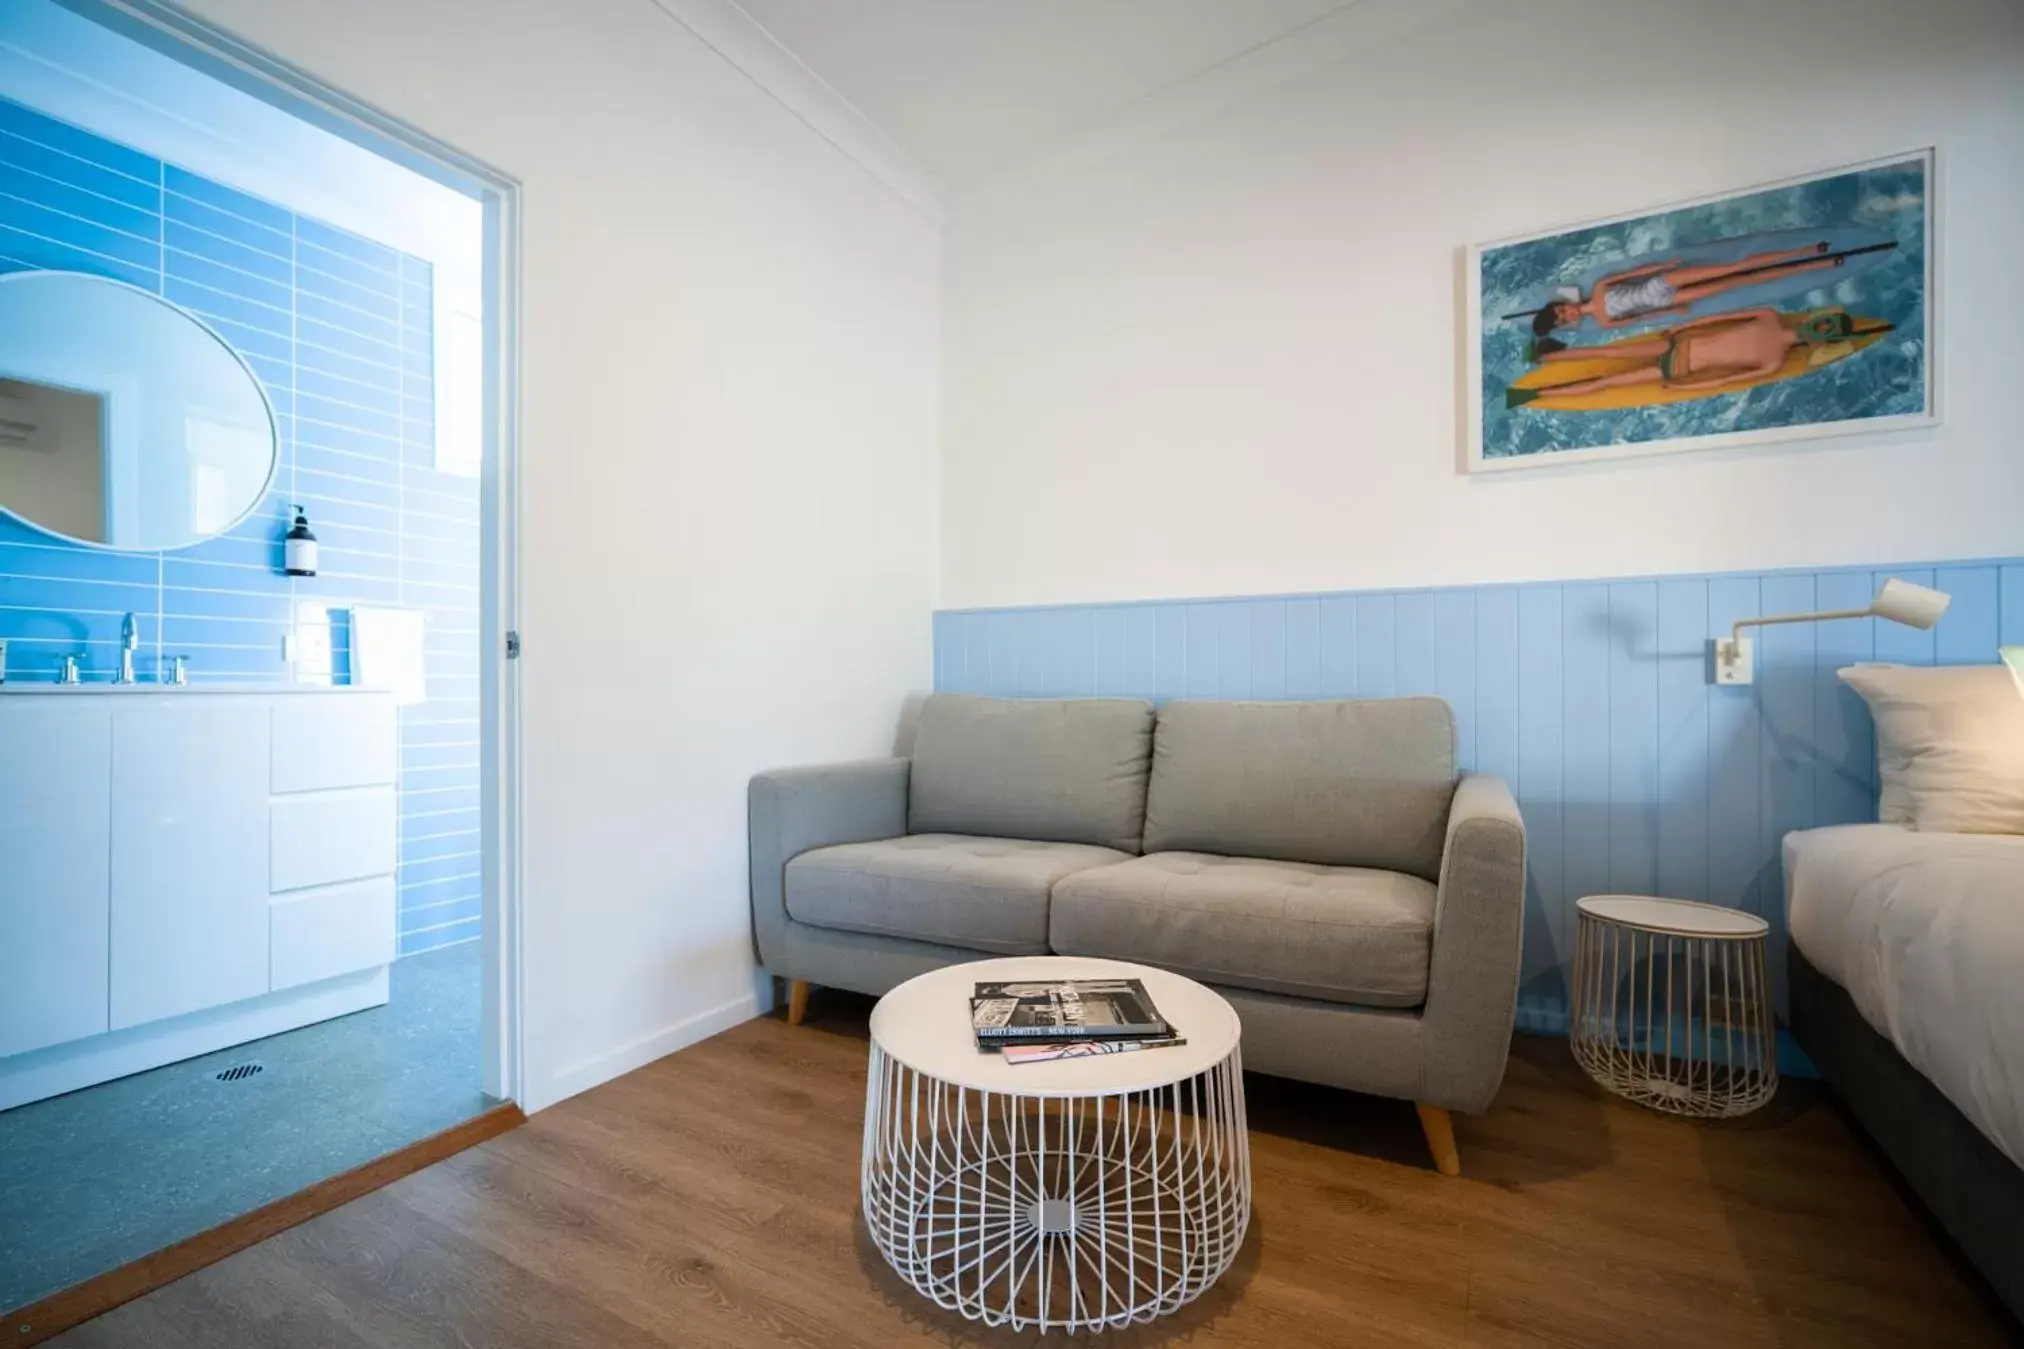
(1081, 1194)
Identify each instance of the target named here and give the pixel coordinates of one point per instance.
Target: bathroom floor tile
(103, 1176)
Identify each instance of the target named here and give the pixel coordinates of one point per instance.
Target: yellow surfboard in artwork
(1549, 374)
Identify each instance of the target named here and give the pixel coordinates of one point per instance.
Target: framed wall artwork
(1778, 312)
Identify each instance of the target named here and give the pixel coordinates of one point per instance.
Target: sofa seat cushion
(983, 894)
(1339, 934)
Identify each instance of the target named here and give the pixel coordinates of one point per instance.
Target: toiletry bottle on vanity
(298, 547)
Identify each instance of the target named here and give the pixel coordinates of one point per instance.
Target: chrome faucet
(129, 640)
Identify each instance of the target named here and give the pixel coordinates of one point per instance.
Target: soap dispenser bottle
(299, 547)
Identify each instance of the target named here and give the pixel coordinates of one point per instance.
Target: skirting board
(599, 1068)
(42, 1073)
(94, 1297)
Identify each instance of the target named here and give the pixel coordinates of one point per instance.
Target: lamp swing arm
(1824, 616)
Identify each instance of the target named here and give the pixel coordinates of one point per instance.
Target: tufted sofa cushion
(985, 894)
(1339, 934)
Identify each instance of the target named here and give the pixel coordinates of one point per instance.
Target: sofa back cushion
(1070, 771)
(1350, 784)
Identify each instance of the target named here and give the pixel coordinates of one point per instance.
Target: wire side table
(1672, 1005)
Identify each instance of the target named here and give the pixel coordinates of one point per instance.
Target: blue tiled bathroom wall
(1635, 774)
(338, 329)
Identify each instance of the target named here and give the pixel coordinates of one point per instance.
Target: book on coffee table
(1067, 1009)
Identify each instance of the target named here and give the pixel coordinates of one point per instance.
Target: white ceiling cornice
(734, 35)
(1326, 41)
(738, 38)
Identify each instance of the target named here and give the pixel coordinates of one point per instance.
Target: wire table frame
(1060, 1209)
(1672, 1004)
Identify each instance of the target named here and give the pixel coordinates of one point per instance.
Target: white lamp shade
(1912, 605)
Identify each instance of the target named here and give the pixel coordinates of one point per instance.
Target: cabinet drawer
(327, 837)
(320, 934)
(341, 740)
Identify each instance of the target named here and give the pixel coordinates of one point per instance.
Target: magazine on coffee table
(1078, 1009)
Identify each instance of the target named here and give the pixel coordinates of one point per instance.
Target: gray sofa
(1321, 864)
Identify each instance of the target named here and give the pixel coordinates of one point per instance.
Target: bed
(1907, 989)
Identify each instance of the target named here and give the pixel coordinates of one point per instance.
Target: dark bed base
(1972, 1190)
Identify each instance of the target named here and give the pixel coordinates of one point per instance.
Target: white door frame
(198, 43)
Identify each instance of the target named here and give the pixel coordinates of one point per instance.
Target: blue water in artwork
(1887, 378)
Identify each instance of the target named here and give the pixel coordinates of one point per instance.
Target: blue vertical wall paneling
(1585, 652)
(1540, 789)
(1592, 700)
(338, 329)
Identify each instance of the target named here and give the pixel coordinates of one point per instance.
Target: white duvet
(1926, 932)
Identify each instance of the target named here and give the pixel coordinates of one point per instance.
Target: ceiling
(970, 88)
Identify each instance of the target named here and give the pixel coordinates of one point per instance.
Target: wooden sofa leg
(1440, 1132)
(797, 1002)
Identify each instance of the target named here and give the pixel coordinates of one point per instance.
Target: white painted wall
(1224, 359)
(728, 536)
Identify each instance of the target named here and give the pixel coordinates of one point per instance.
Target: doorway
(363, 275)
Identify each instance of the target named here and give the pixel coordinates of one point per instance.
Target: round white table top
(1674, 917)
(925, 1024)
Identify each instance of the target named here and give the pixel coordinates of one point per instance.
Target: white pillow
(1949, 745)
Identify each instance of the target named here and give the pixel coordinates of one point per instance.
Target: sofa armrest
(794, 810)
(1479, 923)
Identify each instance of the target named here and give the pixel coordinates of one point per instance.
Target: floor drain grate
(238, 1072)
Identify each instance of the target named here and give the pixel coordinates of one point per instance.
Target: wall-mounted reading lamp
(1899, 601)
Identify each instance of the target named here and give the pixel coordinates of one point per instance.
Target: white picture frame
(1478, 418)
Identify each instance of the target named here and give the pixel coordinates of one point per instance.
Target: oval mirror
(124, 421)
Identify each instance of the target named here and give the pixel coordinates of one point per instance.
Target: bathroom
(242, 609)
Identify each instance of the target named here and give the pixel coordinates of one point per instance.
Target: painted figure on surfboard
(1675, 286)
(1718, 354)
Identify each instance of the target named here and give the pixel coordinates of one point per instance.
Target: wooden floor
(710, 1200)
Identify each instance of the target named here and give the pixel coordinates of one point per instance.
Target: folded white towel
(387, 653)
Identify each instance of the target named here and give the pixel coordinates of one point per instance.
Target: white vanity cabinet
(189, 881)
(185, 869)
(55, 850)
